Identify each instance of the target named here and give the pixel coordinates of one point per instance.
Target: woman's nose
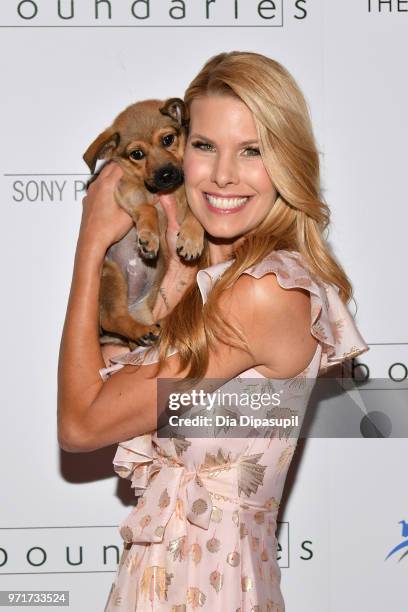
(224, 171)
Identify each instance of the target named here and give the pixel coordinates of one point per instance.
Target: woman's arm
(276, 323)
(81, 356)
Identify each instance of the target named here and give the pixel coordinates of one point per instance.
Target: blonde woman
(266, 301)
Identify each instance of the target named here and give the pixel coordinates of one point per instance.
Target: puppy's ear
(177, 110)
(101, 148)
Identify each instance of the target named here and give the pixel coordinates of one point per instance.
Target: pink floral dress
(203, 533)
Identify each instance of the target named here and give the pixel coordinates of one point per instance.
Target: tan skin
(93, 414)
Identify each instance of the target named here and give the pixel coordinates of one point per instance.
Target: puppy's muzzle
(166, 177)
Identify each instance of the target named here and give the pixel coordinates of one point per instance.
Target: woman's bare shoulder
(279, 328)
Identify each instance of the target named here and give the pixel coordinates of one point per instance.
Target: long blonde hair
(297, 220)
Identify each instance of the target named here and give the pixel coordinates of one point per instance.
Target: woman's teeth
(225, 203)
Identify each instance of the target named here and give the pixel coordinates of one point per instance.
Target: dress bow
(165, 486)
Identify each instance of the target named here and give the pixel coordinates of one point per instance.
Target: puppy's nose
(168, 176)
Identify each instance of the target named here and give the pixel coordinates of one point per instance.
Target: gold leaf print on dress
(353, 351)
(254, 542)
(126, 533)
(233, 558)
(217, 496)
(181, 444)
(256, 609)
(132, 563)
(281, 412)
(196, 553)
(178, 548)
(270, 528)
(179, 608)
(199, 506)
(213, 544)
(195, 597)
(216, 514)
(145, 521)
(155, 580)
(271, 504)
(141, 503)
(235, 517)
(250, 474)
(159, 531)
(164, 499)
(286, 457)
(246, 583)
(259, 517)
(264, 554)
(243, 531)
(298, 383)
(221, 459)
(216, 580)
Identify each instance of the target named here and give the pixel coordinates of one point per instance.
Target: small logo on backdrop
(402, 547)
(25, 188)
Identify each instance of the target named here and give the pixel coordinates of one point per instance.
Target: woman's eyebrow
(241, 144)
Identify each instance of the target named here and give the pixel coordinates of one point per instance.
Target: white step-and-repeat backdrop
(68, 67)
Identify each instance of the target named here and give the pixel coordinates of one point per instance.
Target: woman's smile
(225, 205)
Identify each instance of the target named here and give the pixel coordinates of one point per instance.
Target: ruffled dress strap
(331, 322)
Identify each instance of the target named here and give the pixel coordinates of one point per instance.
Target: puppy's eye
(137, 154)
(168, 139)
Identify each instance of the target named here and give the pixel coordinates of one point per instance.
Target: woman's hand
(169, 205)
(103, 220)
(179, 275)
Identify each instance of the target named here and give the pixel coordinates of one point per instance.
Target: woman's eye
(137, 154)
(203, 146)
(168, 140)
(254, 151)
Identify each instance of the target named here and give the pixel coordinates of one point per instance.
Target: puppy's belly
(139, 274)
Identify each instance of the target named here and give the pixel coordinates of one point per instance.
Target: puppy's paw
(189, 247)
(148, 244)
(150, 337)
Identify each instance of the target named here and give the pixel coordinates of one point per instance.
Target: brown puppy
(147, 140)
